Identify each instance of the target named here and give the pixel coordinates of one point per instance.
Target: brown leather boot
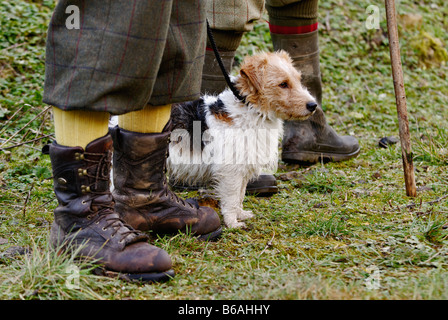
(141, 193)
(85, 220)
(312, 140)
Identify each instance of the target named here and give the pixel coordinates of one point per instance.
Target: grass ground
(334, 231)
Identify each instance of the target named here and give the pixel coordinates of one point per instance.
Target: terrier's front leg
(244, 214)
(228, 190)
(230, 218)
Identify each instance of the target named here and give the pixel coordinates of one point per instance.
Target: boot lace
(173, 196)
(98, 171)
(168, 192)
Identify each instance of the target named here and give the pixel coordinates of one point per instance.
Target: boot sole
(214, 235)
(153, 277)
(312, 157)
(57, 242)
(211, 236)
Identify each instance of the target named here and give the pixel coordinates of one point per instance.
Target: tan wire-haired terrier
(223, 141)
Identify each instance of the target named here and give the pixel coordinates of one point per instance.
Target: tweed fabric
(125, 55)
(234, 15)
(292, 13)
(239, 15)
(230, 18)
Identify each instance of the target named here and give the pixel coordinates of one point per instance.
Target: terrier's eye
(283, 85)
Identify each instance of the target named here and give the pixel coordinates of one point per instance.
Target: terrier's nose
(311, 106)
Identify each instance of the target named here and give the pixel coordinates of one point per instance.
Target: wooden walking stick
(400, 97)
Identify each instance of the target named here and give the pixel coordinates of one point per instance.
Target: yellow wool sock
(78, 128)
(150, 119)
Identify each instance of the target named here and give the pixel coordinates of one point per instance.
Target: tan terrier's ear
(252, 70)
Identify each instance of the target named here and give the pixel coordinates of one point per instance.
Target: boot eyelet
(104, 229)
(84, 202)
(79, 156)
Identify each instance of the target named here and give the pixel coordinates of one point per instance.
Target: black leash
(234, 90)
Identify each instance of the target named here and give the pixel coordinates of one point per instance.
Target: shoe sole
(312, 157)
(262, 191)
(265, 191)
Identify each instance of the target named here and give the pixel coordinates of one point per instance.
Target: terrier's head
(272, 84)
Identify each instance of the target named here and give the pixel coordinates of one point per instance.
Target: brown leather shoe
(263, 186)
(85, 220)
(312, 140)
(142, 196)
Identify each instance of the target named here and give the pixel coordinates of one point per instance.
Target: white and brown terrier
(224, 142)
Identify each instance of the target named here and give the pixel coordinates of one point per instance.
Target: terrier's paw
(235, 224)
(245, 214)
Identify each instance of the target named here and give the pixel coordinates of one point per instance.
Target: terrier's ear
(285, 55)
(252, 70)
